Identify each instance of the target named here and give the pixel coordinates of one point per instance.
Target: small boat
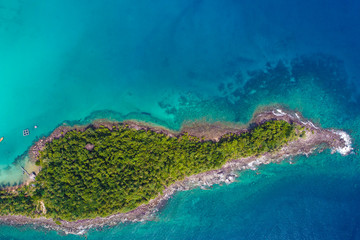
(1, 139)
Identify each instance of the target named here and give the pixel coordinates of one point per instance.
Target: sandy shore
(315, 139)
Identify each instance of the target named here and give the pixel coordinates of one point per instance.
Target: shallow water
(170, 61)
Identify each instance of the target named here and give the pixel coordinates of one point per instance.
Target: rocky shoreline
(315, 139)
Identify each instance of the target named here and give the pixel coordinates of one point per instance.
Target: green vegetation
(128, 167)
(20, 202)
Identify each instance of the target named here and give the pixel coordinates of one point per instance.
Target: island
(110, 172)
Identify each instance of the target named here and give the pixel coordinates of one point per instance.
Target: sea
(173, 62)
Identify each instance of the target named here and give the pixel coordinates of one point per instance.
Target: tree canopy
(125, 167)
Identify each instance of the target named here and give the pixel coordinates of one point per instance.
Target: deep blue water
(170, 61)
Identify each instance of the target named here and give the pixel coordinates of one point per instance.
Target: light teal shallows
(166, 62)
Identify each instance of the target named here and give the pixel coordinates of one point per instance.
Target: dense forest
(19, 202)
(98, 172)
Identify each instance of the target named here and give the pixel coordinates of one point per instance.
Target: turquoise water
(167, 62)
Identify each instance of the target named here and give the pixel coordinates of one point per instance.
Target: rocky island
(110, 172)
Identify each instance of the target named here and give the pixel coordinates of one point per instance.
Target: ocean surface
(169, 62)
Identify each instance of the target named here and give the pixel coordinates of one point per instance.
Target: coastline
(316, 139)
